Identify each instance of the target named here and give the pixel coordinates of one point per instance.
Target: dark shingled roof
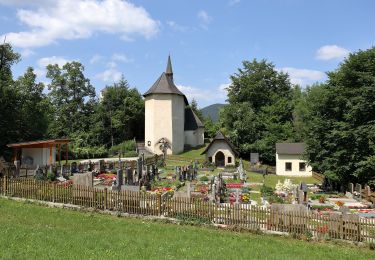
(164, 84)
(221, 137)
(192, 121)
(290, 148)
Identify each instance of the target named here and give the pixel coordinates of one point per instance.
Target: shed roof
(192, 121)
(39, 143)
(221, 137)
(290, 148)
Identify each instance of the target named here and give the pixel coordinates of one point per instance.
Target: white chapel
(169, 118)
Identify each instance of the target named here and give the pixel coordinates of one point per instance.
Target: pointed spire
(169, 71)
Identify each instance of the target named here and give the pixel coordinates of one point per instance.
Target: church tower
(165, 114)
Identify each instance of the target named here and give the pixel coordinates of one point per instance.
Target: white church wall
(190, 138)
(200, 136)
(164, 118)
(194, 138)
(178, 123)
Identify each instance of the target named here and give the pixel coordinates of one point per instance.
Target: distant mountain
(212, 111)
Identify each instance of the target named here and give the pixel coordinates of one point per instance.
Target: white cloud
(109, 75)
(218, 95)
(177, 27)
(121, 57)
(96, 58)
(303, 77)
(204, 18)
(78, 19)
(330, 52)
(25, 53)
(44, 62)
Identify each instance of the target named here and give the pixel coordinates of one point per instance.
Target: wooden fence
(308, 223)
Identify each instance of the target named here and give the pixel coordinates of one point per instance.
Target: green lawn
(194, 153)
(29, 231)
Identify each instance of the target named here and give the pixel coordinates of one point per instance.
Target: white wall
(178, 124)
(194, 138)
(164, 117)
(40, 155)
(222, 146)
(281, 159)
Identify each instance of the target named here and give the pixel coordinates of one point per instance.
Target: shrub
(266, 191)
(122, 148)
(51, 176)
(322, 199)
(275, 199)
(203, 178)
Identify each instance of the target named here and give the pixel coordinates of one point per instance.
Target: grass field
(30, 231)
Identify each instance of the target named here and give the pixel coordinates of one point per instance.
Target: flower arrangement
(245, 197)
(340, 203)
(285, 187)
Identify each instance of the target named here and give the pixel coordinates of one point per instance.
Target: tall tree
(260, 109)
(8, 96)
(72, 97)
(341, 121)
(33, 107)
(196, 110)
(120, 114)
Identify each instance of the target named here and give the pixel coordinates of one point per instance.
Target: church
(169, 118)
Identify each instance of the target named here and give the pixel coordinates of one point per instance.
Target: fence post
(5, 186)
(54, 192)
(105, 198)
(159, 204)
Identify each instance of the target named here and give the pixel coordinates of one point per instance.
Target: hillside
(212, 111)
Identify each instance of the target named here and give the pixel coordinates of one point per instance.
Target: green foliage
(203, 178)
(126, 147)
(51, 176)
(23, 105)
(196, 110)
(266, 191)
(119, 114)
(210, 128)
(340, 121)
(72, 98)
(260, 109)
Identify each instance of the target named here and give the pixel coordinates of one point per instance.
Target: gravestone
(351, 187)
(84, 179)
(254, 158)
(130, 188)
(129, 176)
(119, 178)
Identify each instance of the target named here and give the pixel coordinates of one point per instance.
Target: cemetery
(177, 186)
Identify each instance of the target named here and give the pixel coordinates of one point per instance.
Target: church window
(149, 143)
(229, 159)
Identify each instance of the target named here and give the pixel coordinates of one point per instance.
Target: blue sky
(207, 40)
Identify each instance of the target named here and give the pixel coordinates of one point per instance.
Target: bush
(51, 176)
(203, 178)
(266, 191)
(122, 148)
